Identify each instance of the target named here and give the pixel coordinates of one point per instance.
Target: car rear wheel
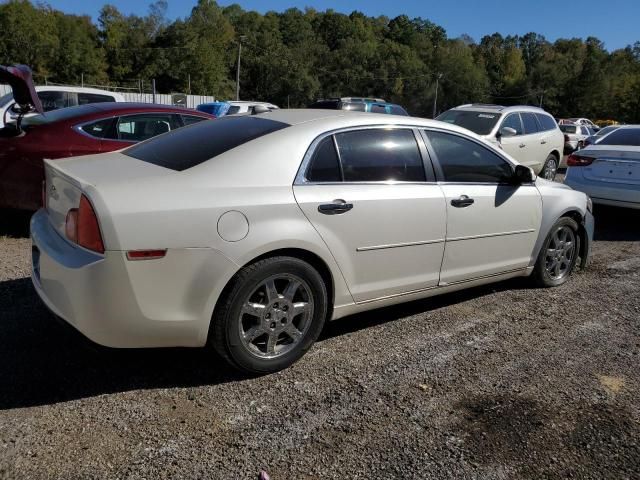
(558, 255)
(271, 314)
(550, 168)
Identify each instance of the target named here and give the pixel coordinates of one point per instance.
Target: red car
(73, 131)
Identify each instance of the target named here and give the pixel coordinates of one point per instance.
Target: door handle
(338, 207)
(522, 145)
(462, 201)
(543, 142)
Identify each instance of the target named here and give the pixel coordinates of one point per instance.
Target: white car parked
(238, 107)
(55, 97)
(609, 171)
(246, 233)
(528, 134)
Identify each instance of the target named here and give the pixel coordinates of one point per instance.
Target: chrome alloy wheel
(276, 316)
(560, 253)
(550, 169)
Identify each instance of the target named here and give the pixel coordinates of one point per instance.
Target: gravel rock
(503, 381)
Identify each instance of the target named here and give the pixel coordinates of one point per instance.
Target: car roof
(488, 107)
(64, 88)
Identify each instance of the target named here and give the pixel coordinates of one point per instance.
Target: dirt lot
(498, 382)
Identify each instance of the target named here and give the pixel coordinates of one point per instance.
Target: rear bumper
(613, 194)
(127, 304)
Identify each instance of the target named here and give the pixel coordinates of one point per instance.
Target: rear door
(492, 224)
(375, 203)
(535, 151)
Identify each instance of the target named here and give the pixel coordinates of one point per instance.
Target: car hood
(20, 78)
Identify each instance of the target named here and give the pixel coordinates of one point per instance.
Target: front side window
(513, 121)
(465, 161)
(136, 128)
(380, 155)
(191, 119)
(324, 165)
(530, 123)
(378, 109)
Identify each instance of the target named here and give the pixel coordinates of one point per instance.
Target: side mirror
(524, 174)
(507, 132)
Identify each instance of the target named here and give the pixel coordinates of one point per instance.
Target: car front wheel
(270, 315)
(558, 255)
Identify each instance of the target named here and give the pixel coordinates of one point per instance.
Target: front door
(492, 224)
(367, 194)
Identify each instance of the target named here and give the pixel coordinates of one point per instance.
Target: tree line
(293, 57)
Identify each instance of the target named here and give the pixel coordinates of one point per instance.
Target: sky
(615, 22)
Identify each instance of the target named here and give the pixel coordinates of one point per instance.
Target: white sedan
(248, 233)
(609, 171)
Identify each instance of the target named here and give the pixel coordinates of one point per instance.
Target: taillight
(579, 160)
(82, 227)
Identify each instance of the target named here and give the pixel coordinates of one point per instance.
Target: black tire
(225, 333)
(542, 276)
(550, 168)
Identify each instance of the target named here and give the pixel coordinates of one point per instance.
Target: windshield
(623, 136)
(481, 123)
(568, 128)
(190, 146)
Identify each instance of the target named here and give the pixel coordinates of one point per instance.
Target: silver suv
(528, 134)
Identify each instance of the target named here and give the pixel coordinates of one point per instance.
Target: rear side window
(378, 109)
(190, 146)
(623, 136)
(84, 98)
(99, 129)
(135, 128)
(380, 155)
(530, 123)
(465, 161)
(233, 109)
(325, 165)
(546, 122)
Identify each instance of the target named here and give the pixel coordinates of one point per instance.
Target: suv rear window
(478, 122)
(190, 146)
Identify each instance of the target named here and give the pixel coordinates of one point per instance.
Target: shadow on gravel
(14, 223)
(379, 316)
(43, 361)
(616, 224)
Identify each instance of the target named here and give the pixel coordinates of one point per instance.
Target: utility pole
(82, 79)
(435, 100)
(189, 79)
(541, 97)
(242, 37)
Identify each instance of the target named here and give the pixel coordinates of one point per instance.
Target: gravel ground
(497, 382)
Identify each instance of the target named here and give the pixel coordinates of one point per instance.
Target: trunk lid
(20, 79)
(612, 165)
(68, 179)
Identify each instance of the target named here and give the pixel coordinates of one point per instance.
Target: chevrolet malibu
(246, 234)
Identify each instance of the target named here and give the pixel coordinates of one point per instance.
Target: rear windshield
(59, 114)
(623, 136)
(479, 122)
(190, 146)
(568, 128)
